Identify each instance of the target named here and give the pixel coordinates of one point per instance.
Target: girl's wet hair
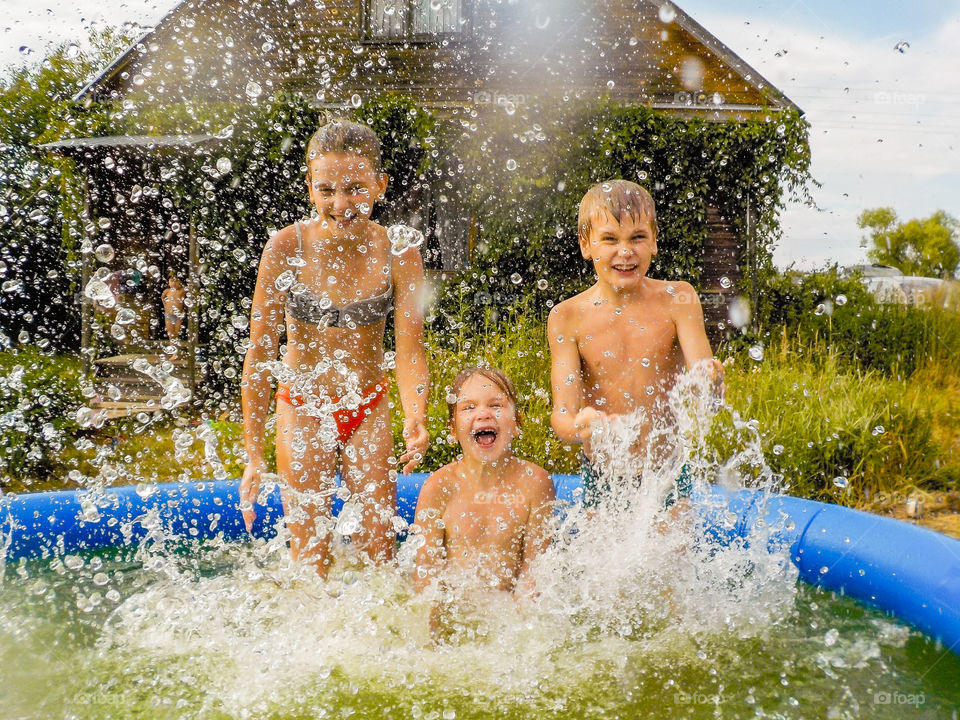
(493, 375)
(619, 198)
(345, 136)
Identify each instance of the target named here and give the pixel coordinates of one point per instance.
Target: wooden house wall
(214, 49)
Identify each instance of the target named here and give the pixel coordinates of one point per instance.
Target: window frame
(409, 37)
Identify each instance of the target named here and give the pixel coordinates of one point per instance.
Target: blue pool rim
(907, 571)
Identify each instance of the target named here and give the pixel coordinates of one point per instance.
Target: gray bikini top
(305, 307)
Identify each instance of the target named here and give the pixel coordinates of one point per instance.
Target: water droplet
(542, 284)
(403, 237)
(840, 481)
(224, 165)
(667, 13)
(240, 322)
(902, 46)
(516, 279)
(104, 253)
(73, 51)
(820, 309)
(24, 50)
(253, 90)
(284, 280)
(778, 449)
(841, 300)
(225, 132)
(824, 570)
(756, 352)
(104, 223)
(98, 291)
(878, 430)
(356, 100)
(645, 362)
(511, 164)
(739, 312)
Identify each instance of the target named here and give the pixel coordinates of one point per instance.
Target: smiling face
(484, 419)
(343, 187)
(621, 252)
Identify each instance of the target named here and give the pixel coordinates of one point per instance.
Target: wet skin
(619, 346)
(486, 515)
(346, 257)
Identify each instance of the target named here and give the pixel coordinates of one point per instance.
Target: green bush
(39, 397)
(827, 310)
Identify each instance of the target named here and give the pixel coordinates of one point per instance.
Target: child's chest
(345, 278)
(612, 340)
(496, 517)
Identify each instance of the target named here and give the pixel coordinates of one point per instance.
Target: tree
(926, 247)
(36, 239)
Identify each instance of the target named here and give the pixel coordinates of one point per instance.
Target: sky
(879, 81)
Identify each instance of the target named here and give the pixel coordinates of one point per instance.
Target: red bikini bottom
(348, 420)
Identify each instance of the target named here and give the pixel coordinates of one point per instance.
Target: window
(403, 20)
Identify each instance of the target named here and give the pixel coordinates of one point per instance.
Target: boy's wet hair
(345, 136)
(495, 376)
(619, 198)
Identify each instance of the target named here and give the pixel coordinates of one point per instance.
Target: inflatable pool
(907, 571)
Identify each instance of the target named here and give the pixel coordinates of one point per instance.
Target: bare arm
(691, 332)
(565, 378)
(692, 335)
(266, 319)
(413, 376)
(432, 553)
(536, 533)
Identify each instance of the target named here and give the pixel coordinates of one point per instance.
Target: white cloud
(883, 126)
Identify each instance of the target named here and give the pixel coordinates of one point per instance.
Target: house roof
(237, 50)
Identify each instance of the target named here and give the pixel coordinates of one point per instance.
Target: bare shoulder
(282, 244)
(535, 482)
(438, 484)
(565, 315)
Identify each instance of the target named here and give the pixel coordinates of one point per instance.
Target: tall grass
(515, 342)
(839, 433)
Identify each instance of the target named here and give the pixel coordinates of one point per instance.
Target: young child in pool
(330, 283)
(486, 515)
(620, 346)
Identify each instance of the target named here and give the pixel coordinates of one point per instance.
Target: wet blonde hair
(619, 198)
(495, 376)
(345, 136)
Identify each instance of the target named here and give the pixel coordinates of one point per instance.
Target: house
(447, 55)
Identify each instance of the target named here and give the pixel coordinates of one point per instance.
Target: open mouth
(485, 437)
(625, 268)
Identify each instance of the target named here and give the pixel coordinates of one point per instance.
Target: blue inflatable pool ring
(902, 569)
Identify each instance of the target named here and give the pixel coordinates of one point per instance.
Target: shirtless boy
(620, 346)
(486, 515)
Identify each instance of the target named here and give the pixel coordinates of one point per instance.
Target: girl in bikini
(331, 281)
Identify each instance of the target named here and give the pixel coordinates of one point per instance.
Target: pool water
(218, 631)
